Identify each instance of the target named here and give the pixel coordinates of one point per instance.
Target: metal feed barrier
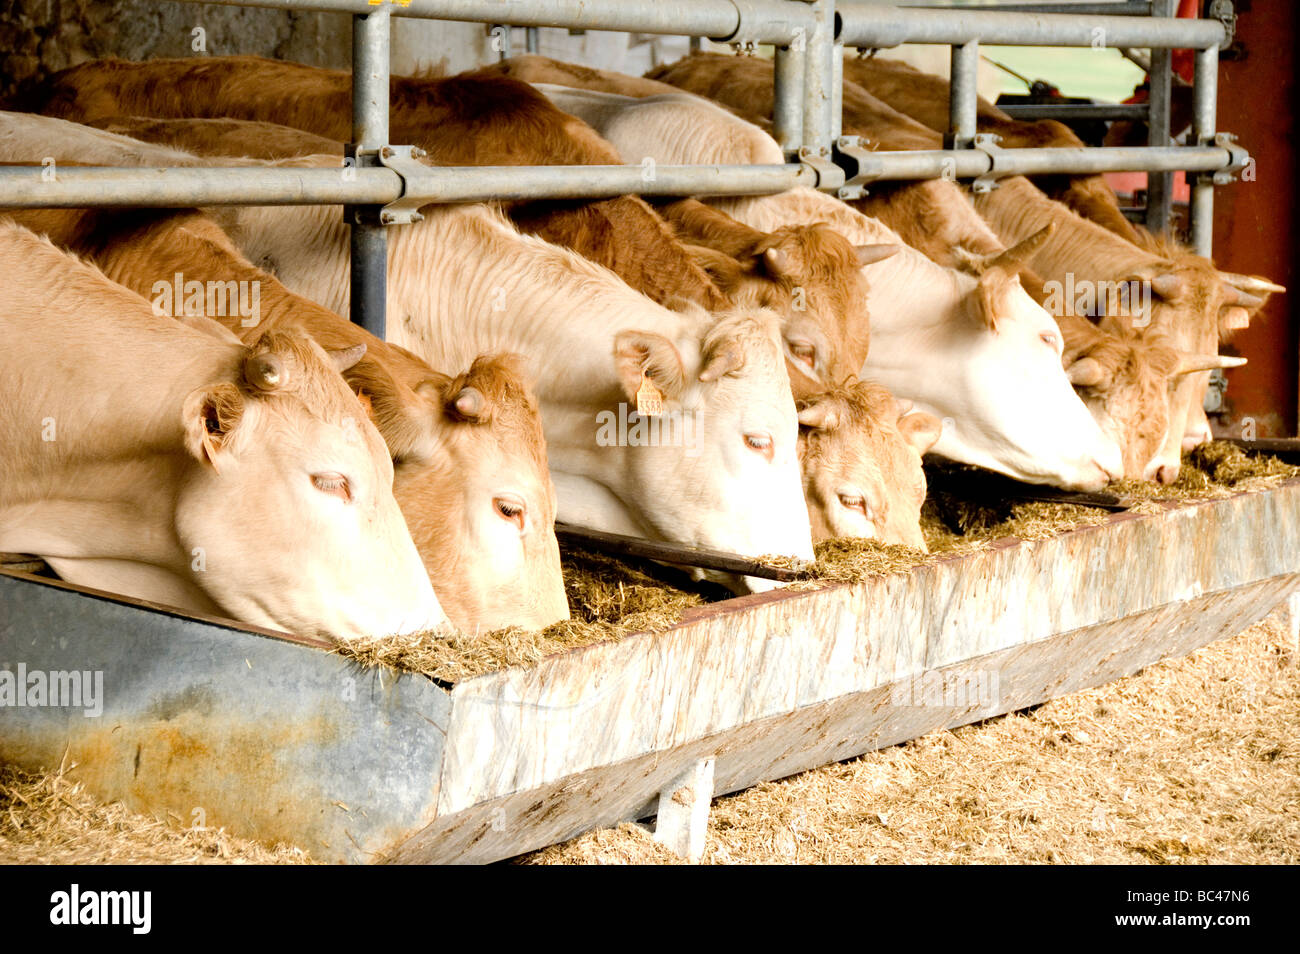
(388, 184)
(276, 739)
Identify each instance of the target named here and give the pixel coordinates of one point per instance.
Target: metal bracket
(1238, 158)
(854, 159)
(987, 143)
(404, 160)
(1225, 13)
(829, 175)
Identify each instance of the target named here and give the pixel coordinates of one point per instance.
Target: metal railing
(387, 184)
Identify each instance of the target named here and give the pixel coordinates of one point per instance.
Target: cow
(468, 451)
(170, 462)
(860, 452)
(924, 97)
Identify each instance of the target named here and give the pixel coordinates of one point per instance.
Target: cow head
(860, 453)
(1197, 306)
(290, 469)
(997, 382)
(718, 467)
(812, 277)
(480, 501)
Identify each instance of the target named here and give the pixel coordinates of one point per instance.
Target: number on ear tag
(649, 399)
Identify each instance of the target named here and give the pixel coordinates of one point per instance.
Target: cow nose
(1114, 470)
(1167, 473)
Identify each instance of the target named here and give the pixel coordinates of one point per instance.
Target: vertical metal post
(1204, 107)
(837, 92)
(532, 39)
(695, 44)
(1160, 185)
(819, 74)
(369, 241)
(787, 108)
(963, 95)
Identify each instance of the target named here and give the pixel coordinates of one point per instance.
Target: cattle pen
(280, 740)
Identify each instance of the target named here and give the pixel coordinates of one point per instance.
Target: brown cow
(924, 97)
(469, 459)
(860, 453)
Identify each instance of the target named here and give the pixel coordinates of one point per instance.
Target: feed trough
(274, 738)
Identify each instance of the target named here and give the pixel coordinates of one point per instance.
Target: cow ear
(725, 271)
(920, 430)
(644, 353)
(210, 416)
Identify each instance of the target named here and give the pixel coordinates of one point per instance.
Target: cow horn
(1168, 287)
(821, 416)
(1187, 363)
(345, 358)
(1086, 373)
(265, 371)
(1232, 295)
(870, 254)
(904, 406)
(1022, 251)
(776, 260)
(469, 403)
(1249, 283)
(724, 359)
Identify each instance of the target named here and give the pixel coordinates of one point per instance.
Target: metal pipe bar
(787, 108)
(1160, 185)
(877, 25)
(1204, 106)
(1117, 8)
(963, 95)
(368, 304)
(765, 21)
(837, 91)
(1030, 111)
(532, 39)
(969, 163)
(85, 186)
(818, 82)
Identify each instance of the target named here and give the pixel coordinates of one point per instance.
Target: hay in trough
(50, 819)
(1191, 761)
(612, 597)
(608, 599)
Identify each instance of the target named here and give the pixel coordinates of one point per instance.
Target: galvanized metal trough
(268, 735)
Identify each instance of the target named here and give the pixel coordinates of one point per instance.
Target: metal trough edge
(276, 741)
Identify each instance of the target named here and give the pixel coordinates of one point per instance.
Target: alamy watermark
(53, 688)
(626, 428)
(976, 688)
(213, 299)
(1086, 298)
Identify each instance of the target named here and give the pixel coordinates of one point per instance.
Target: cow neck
(1017, 209)
(482, 287)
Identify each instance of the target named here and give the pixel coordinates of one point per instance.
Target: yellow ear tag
(649, 399)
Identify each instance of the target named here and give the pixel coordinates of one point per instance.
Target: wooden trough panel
(768, 685)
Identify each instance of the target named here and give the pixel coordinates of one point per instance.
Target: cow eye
(804, 352)
(855, 502)
(333, 484)
(510, 508)
(760, 444)
(1051, 339)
